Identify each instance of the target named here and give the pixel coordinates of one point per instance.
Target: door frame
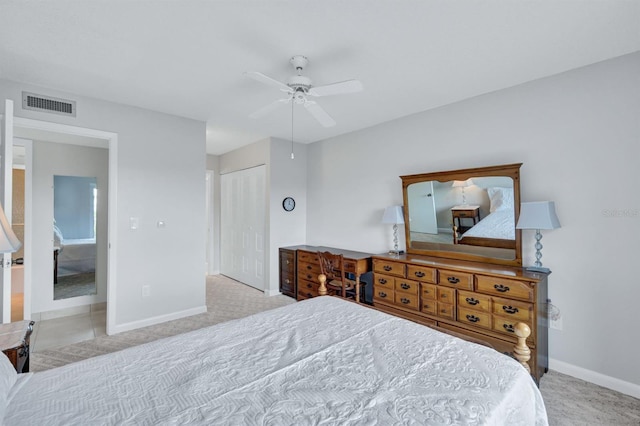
(112, 139)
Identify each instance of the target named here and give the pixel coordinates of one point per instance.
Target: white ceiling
(187, 57)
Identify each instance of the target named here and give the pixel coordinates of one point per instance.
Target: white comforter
(500, 225)
(321, 361)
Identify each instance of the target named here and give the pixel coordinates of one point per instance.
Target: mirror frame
(508, 170)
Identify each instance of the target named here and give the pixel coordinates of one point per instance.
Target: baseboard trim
(600, 379)
(155, 320)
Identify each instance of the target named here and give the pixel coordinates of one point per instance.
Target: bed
(497, 229)
(324, 360)
(72, 256)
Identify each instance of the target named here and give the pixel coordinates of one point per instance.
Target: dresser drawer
(384, 282)
(477, 318)
(519, 311)
(307, 256)
(307, 289)
(390, 268)
(308, 271)
(455, 279)
(428, 291)
(506, 326)
(422, 273)
(503, 287)
(446, 310)
(407, 300)
(429, 306)
(476, 301)
(446, 295)
(383, 294)
(407, 286)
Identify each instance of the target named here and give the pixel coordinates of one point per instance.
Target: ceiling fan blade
(271, 107)
(348, 86)
(319, 114)
(258, 76)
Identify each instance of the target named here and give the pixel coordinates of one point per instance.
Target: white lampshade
(8, 240)
(393, 214)
(538, 215)
(462, 183)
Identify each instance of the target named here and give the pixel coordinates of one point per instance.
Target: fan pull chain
(292, 106)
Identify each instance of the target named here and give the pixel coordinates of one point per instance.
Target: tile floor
(67, 330)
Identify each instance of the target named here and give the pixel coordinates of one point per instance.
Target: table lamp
(538, 215)
(462, 184)
(393, 215)
(8, 240)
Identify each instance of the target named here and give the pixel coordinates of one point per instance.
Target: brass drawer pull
(473, 318)
(509, 328)
(387, 268)
(287, 281)
(510, 309)
(309, 267)
(443, 296)
(309, 285)
(405, 301)
(501, 288)
(288, 262)
(405, 286)
(419, 274)
(453, 280)
(382, 294)
(472, 301)
(382, 281)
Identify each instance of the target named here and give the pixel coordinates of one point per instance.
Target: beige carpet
(569, 401)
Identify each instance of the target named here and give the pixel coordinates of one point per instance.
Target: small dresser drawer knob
(510, 309)
(473, 318)
(287, 281)
(288, 262)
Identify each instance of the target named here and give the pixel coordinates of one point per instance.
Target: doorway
(242, 226)
(27, 128)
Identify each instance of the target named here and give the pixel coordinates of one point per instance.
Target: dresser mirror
(467, 214)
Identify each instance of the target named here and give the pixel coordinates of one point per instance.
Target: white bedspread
(500, 224)
(342, 364)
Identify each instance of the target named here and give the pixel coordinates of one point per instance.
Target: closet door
(242, 223)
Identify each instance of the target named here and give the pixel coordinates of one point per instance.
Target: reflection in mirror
(466, 214)
(74, 236)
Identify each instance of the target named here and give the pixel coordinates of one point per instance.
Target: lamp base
(396, 252)
(538, 269)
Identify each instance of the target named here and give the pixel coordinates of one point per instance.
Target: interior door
(242, 226)
(422, 208)
(6, 177)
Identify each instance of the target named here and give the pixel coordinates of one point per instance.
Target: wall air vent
(34, 102)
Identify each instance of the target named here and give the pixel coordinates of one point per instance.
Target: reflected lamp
(538, 215)
(394, 215)
(8, 240)
(462, 184)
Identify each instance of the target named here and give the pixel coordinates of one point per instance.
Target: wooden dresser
(479, 300)
(288, 272)
(307, 267)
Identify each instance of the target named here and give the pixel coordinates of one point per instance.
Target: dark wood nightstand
(14, 343)
(458, 213)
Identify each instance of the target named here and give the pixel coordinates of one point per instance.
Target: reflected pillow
(500, 199)
(57, 236)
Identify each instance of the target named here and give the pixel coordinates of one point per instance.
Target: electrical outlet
(146, 290)
(556, 324)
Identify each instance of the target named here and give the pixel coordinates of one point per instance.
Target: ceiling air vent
(41, 103)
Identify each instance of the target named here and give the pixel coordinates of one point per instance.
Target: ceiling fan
(299, 88)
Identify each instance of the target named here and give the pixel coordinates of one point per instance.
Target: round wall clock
(288, 204)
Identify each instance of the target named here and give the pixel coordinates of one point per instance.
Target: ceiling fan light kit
(299, 87)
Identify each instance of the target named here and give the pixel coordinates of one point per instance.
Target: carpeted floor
(569, 401)
(74, 285)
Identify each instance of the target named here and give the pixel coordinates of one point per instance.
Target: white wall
(577, 134)
(160, 172)
(51, 159)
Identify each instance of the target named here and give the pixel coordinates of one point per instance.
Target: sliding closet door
(242, 223)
